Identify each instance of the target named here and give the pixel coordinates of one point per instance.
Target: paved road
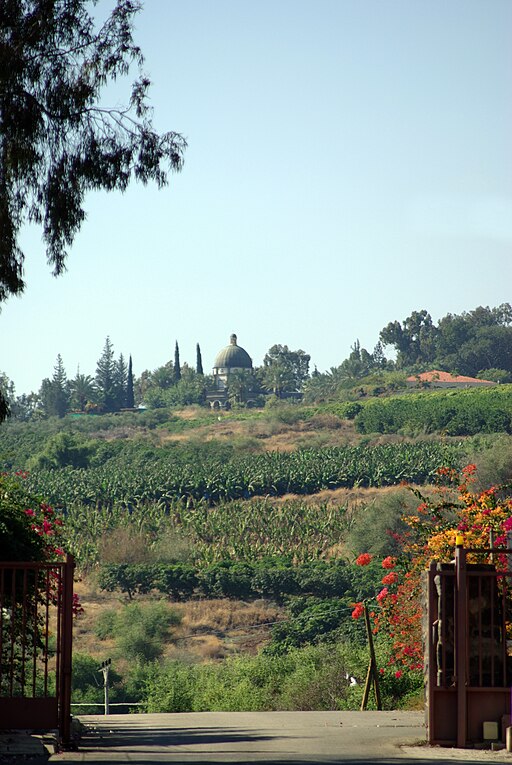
(295, 738)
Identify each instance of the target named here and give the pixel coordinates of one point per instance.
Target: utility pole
(105, 667)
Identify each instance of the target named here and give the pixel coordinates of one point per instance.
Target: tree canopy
(284, 371)
(467, 343)
(57, 138)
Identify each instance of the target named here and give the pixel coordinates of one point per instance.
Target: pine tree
(105, 377)
(58, 138)
(120, 382)
(55, 393)
(199, 361)
(130, 399)
(177, 368)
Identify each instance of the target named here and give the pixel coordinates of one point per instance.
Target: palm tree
(83, 391)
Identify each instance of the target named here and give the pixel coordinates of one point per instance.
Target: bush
(312, 678)
(178, 581)
(63, 450)
(378, 527)
(139, 631)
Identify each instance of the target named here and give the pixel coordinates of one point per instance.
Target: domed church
(230, 359)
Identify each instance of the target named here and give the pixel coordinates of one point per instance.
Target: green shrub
(178, 581)
(63, 450)
(378, 527)
(139, 631)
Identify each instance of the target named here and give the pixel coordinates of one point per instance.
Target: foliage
(199, 360)
(379, 526)
(315, 677)
(269, 578)
(314, 620)
(130, 398)
(55, 393)
(29, 529)
(87, 683)
(57, 139)
(139, 630)
(106, 382)
(454, 509)
(467, 343)
(177, 366)
(83, 392)
(63, 450)
(284, 371)
(137, 474)
(453, 413)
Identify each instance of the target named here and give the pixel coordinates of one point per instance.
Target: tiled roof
(437, 376)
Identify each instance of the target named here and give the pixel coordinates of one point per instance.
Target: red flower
(398, 674)
(47, 527)
(389, 562)
(29, 512)
(382, 594)
(391, 578)
(364, 559)
(358, 610)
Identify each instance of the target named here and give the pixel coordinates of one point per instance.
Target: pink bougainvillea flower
(382, 594)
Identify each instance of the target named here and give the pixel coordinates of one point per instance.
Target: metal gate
(36, 625)
(469, 667)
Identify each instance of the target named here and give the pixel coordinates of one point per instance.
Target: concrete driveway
(271, 737)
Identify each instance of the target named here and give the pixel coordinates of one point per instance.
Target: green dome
(232, 357)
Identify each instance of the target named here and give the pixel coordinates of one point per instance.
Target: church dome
(232, 357)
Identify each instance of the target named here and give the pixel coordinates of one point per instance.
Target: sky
(348, 162)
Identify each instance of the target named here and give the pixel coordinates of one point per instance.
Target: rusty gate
(469, 666)
(36, 613)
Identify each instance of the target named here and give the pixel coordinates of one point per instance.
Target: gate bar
(461, 657)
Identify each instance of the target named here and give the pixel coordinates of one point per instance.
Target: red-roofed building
(438, 379)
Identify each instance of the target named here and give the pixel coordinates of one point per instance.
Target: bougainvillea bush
(29, 528)
(453, 509)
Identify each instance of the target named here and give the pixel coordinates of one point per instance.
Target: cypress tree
(199, 361)
(130, 400)
(177, 368)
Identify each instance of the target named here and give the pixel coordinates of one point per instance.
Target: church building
(230, 359)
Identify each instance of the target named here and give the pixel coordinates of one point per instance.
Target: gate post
(461, 644)
(67, 645)
(430, 671)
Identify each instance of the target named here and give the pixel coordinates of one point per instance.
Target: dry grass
(343, 496)
(272, 434)
(210, 629)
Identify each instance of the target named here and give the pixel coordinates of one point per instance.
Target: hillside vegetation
(264, 511)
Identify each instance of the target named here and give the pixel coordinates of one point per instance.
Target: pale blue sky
(349, 162)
